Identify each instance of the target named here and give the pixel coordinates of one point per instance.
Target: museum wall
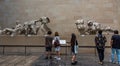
(62, 13)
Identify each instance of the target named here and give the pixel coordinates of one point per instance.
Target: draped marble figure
(44, 21)
(91, 27)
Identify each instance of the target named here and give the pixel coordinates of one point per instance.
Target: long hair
(56, 34)
(73, 39)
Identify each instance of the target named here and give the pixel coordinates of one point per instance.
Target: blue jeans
(117, 51)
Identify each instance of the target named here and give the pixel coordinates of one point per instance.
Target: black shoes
(74, 63)
(48, 57)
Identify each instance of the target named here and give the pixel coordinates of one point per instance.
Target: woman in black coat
(74, 48)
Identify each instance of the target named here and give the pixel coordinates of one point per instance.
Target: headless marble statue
(81, 26)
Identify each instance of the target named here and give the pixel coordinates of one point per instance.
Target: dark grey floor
(38, 60)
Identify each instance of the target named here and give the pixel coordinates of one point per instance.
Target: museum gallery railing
(38, 41)
(25, 47)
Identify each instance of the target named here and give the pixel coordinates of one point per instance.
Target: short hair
(116, 32)
(100, 31)
(49, 32)
(56, 34)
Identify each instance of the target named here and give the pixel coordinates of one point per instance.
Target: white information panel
(62, 41)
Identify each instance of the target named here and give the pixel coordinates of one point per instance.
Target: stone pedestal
(33, 44)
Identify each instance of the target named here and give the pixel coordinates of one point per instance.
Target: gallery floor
(38, 60)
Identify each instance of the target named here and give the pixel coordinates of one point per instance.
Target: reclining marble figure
(14, 30)
(9, 31)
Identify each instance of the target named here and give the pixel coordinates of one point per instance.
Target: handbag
(76, 47)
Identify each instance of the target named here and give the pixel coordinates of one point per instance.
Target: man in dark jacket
(100, 41)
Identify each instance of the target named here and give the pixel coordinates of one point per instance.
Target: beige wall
(62, 13)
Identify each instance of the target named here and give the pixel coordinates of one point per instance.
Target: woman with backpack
(57, 45)
(100, 41)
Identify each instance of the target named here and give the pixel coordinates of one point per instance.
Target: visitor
(100, 41)
(48, 45)
(115, 47)
(74, 48)
(57, 45)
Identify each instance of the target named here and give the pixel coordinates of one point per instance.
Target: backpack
(56, 43)
(101, 41)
